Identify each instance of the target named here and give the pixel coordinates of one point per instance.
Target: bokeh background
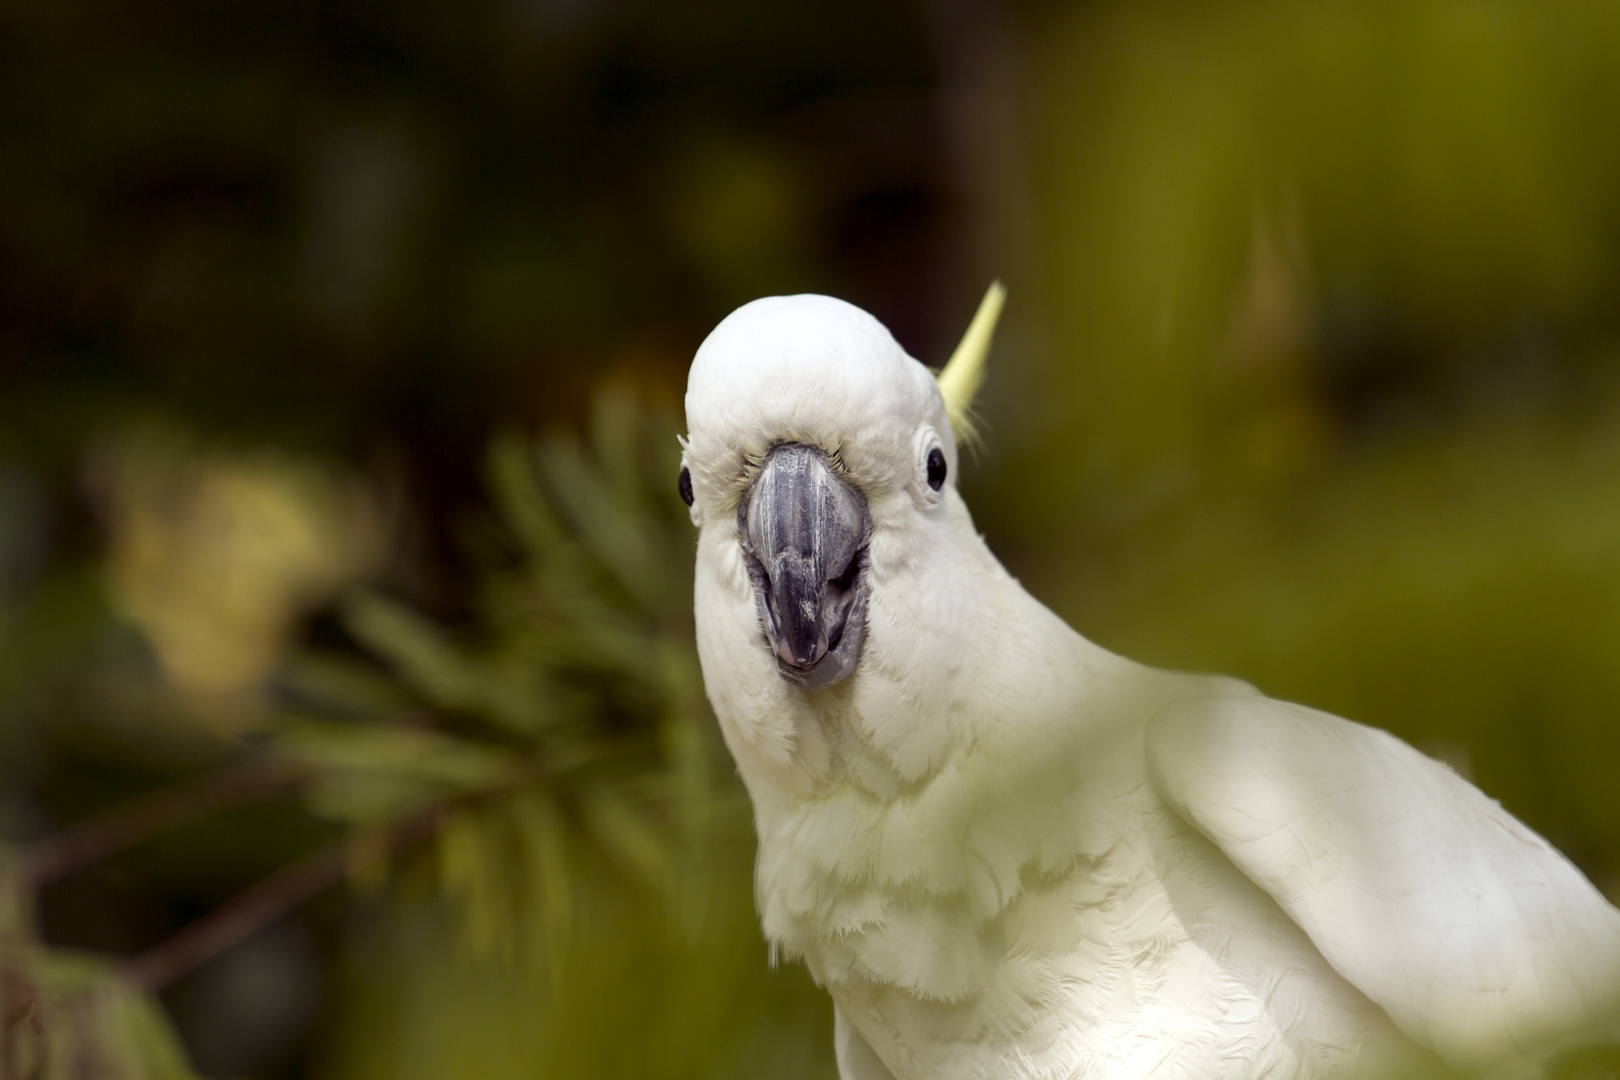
(349, 720)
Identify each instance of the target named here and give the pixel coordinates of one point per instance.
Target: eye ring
(684, 485)
(931, 468)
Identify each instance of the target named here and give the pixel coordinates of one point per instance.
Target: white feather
(1471, 931)
(965, 842)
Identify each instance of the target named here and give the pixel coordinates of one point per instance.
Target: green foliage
(591, 848)
(1267, 223)
(67, 1015)
(542, 831)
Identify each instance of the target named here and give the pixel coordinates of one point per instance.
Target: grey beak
(805, 530)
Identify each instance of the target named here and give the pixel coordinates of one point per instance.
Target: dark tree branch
(269, 900)
(191, 800)
(261, 905)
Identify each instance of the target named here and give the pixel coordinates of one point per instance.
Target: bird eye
(936, 468)
(685, 483)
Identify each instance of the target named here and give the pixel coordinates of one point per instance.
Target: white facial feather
(813, 370)
(818, 371)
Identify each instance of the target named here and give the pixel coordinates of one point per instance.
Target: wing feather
(856, 1060)
(1478, 938)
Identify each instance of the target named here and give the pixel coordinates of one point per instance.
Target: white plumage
(1008, 853)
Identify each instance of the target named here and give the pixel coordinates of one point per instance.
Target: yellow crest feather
(965, 370)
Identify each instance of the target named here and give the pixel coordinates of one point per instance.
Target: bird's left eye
(685, 485)
(936, 468)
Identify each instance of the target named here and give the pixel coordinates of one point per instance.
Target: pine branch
(104, 834)
(264, 903)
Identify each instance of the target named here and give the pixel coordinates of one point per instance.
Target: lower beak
(805, 529)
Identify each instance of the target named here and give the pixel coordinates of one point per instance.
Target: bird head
(820, 466)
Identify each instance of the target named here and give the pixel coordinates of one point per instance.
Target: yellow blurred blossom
(215, 554)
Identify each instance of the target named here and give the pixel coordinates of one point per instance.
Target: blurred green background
(349, 719)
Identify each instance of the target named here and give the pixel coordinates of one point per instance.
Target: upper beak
(806, 530)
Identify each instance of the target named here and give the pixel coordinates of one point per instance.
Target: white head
(822, 469)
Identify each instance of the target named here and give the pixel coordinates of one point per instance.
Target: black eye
(936, 468)
(685, 485)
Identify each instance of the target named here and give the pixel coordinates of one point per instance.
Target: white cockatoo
(1008, 853)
